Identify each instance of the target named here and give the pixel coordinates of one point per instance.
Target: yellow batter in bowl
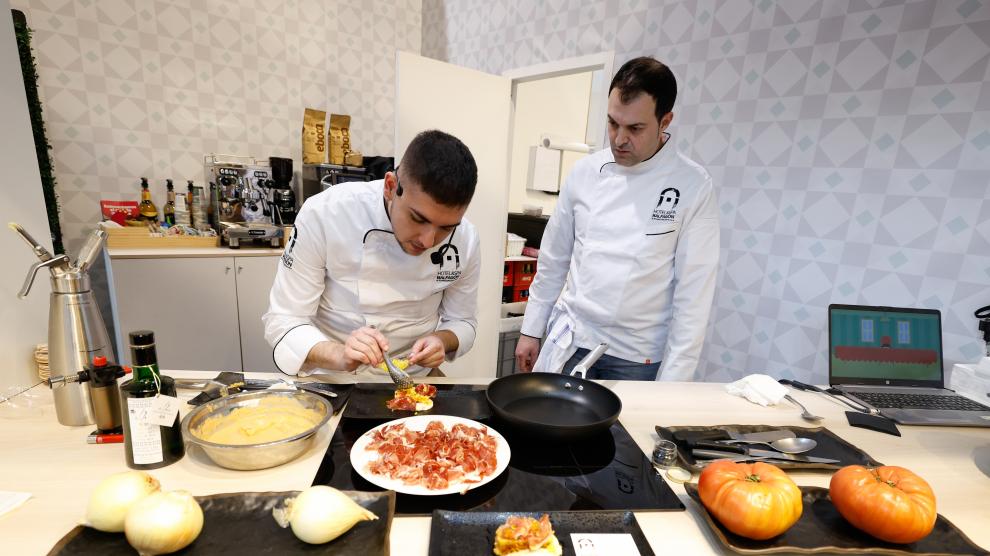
(271, 419)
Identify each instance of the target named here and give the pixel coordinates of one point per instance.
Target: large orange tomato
(757, 501)
(890, 503)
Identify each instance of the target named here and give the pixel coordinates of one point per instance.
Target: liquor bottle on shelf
(147, 209)
(147, 443)
(170, 203)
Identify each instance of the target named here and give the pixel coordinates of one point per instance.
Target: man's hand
(527, 349)
(428, 351)
(365, 345)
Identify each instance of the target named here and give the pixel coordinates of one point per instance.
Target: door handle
(239, 269)
(226, 270)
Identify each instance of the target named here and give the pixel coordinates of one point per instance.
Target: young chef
(635, 238)
(383, 265)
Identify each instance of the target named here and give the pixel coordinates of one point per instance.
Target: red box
(508, 273)
(520, 293)
(523, 273)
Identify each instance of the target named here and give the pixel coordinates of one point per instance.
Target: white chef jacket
(343, 269)
(638, 249)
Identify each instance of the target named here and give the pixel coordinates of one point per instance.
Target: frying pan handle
(589, 360)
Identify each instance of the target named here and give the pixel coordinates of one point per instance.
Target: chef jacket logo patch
(448, 275)
(666, 209)
(287, 258)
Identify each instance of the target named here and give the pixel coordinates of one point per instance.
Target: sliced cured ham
(436, 457)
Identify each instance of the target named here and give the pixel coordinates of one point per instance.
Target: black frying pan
(555, 406)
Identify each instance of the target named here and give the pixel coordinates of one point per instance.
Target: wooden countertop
(55, 464)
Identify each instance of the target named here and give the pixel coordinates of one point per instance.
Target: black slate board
(463, 533)
(460, 400)
(822, 530)
(829, 446)
(242, 523)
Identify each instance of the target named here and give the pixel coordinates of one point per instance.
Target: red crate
(523, 273)
(520, 293)
(508, 273)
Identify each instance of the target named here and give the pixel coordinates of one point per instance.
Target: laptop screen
(884, 345)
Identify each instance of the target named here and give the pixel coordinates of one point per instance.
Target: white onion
(115, 495)
(320, 514)
(164, 522)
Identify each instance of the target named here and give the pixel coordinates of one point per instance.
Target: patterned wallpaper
(135, 88)
(849, 140)
(145, 88)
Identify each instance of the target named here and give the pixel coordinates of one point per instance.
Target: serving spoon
(786, 445)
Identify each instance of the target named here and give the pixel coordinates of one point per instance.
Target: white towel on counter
(758, 388)
(10, 501)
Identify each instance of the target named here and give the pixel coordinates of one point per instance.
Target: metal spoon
(805, 414)
(786, 445)
(401, 378)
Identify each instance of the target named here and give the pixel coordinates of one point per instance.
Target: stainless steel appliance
(76, 332)
(283, 198)
(318, 177)
(241, 200)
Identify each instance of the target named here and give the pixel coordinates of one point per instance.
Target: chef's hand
(364, 345)
(428, 352)
(527, 348)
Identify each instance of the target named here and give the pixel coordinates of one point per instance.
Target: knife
(759, 454)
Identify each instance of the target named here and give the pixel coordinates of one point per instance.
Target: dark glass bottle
(170, 203)
(147, 445)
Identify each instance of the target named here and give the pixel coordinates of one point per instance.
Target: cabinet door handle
(239, 269)
(226, 270)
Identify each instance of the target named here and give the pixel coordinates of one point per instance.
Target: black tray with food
(241, 523)
(605, 472)
(461, 533)
(367, 401)
(822, 530)
(829, 445)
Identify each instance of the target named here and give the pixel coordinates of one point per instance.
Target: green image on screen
(885, 345)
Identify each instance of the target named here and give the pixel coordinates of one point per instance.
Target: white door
(190, 304)
(474, 107)
(255, 276)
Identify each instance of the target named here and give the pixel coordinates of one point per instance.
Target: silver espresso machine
(241, 200)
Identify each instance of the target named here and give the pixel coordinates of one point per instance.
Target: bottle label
(163, 410)
(146, 436)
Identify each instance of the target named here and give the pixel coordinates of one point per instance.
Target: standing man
(388, 265)
(635, 240)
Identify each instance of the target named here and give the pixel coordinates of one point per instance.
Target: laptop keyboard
(883, 400)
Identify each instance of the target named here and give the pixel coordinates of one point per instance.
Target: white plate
(361, 457)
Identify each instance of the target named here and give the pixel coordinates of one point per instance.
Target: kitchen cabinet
(205, 310)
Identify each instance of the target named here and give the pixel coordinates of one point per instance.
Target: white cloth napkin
(10, 501)
(758, 388)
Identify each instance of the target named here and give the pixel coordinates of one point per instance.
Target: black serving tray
(822, 530)
(829, 446)
(367, 401)
(462, 533)
(242, 523)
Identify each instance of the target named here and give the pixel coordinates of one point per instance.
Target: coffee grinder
(283, 198)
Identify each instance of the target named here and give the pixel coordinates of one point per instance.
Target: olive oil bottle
(147, 444)
(170, 203)
(147, 209)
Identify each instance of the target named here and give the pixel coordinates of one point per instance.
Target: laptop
(890, 358)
